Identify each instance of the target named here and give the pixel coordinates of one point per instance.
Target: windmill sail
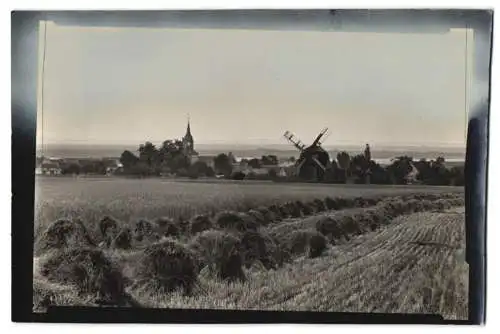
(318, 138)
(294, 140)
(319, 163)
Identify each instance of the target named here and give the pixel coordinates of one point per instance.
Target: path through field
(411, 266)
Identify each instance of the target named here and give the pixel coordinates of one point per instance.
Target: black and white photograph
(313, 161)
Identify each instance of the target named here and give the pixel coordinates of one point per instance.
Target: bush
(166, 227)
(220, 252)
(193, 175)
(63, 233)
(166, 266)
(200, 223)
(123, 240)
(307, 241)
(89, 270)
(238, 176)
(231, 220)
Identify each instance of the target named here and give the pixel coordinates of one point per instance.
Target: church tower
(188, 141)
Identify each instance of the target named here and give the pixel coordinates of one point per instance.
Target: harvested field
(392, 254)
(129, 200)
(412, 266)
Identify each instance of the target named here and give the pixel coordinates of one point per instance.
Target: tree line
(362, 169)
(170, 158)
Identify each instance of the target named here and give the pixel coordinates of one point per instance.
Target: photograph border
(24, 100)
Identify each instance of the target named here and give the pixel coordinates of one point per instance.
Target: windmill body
(314, 161)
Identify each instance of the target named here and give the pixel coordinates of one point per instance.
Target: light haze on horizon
(129, 85)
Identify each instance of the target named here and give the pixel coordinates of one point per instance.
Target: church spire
(188, 131)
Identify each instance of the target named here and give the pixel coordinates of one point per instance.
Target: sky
(116, 85)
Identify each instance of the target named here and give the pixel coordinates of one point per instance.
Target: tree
(210, 172)
(292, 159)
(139, 169)
(269, 160)
(128, 159)
(435, 172)
(457, 176)
(440, 161)
(222, 164)
(378, 174)
(344, 161)
(254, 163)
(199, 168)
(93, 167)
(231, 157)
(238, 176)
(71, 169)
(172, 156)
(400, 168)
(359, 167)
(149, 154)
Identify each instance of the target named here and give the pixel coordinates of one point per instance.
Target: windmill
(313, 161)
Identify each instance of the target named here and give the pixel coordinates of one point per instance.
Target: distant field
(130, 199)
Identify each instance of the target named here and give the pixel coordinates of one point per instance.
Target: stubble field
(392, 249)
(132, 199)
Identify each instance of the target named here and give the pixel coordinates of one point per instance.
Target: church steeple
(188, 131)
(188, 140)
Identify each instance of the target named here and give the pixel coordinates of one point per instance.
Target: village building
(412, 176)
(47, 167)
(188, 145)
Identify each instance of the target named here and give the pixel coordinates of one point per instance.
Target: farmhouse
(411, 177)
(48, 168)
(112, 165)
(207, 159)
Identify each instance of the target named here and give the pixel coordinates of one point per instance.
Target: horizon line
(262, 145)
